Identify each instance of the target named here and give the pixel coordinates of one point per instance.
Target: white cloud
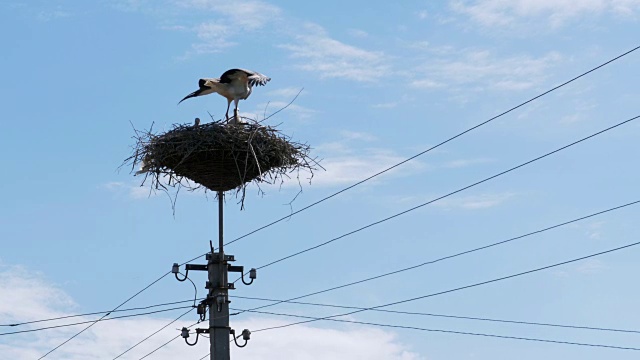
(213, 36)
(233, 20)
(287, 93)
(306, 342)
(357, 135)
(460, 163)
(386, 105)
(594, 230)
(556, 12)
(298, 111)
(247, 15)
(346, 165)
(475, 202)
(590, 266)
(109, 338)
(357, 33)
(329, 58)
(483, 70)
(48, 15)
(133, 190)
(584, 268)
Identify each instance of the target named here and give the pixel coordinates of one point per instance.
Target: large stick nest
(218, 156)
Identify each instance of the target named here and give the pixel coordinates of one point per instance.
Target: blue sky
(381, 82)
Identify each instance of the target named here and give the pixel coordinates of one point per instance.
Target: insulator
(202, 308)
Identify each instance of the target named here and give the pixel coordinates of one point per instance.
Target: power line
(446, 316)
(430, 262)
(168, 342)
(358, 183)
(444, 258)
(311, 319)
(461, 287)
(103, 316)
(367, 179)
(94, 313)
(447, 195)
(152, 334)
(436, 146)
(116, 308)
(448, 257)
(160, 347)
(93, 321)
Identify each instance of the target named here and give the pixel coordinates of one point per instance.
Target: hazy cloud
(554, 12)
(326, 57)
(110, 338)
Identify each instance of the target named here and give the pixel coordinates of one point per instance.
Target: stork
(234, 85)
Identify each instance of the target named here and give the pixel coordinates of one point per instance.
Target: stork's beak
(193, 94)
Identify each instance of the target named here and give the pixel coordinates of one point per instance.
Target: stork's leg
(228, 106)
(235, 111)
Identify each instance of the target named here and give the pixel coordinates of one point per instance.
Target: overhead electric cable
(417, 313)
(430, 262)
(360, 182)
(463, 287)
(440, 331)
(152, 334)
(116, 308)
(95, 313)
(168, 342)
(437, 145)
(93, 321)
(446, 195)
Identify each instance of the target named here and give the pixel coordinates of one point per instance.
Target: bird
(234, 85)
(196, 122)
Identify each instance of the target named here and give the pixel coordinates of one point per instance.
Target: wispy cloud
(287, 93)
(347, 162)
(131, 190)
(298, 111)
(584, 268)
(242, 14)
(422, 14)
(554, 12)
(329, 58)
(213, 38)
(476, 202)
(385, 105)
(358, 33)
(110, 338)
(461, 163)
(483, 70)
(48, 15)
(230, 20)
(357, 135)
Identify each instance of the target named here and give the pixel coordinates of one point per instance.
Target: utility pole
(219, 291)
(217, 300)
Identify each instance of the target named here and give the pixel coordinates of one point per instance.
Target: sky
(381, 82)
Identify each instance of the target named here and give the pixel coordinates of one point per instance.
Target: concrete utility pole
(218, 268)
(219, 292)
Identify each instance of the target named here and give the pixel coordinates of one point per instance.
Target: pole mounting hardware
(246, 336)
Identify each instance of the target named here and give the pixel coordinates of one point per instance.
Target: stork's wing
(252, 77)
